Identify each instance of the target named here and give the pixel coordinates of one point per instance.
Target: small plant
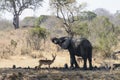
(37, 55)
(25, 51)
(13, 43)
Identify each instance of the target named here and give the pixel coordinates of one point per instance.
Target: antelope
(47, 62)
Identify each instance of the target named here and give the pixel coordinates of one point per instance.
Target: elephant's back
(85, 42)
(81, 42)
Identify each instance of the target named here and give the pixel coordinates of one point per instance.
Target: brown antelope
(47, 62)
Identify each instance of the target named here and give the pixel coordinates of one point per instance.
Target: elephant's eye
(55, 42)
(61, 41)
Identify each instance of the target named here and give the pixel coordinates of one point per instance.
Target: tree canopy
(16, 7)
(68, 11)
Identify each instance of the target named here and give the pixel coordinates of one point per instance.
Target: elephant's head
(63, 42)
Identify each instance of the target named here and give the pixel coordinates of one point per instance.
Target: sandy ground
(19, 61)
(25, 61)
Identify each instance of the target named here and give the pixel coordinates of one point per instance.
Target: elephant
(76, 47)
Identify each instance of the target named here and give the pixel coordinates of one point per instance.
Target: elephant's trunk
(54, 40)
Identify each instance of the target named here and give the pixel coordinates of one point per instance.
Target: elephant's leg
(73, 61)
(76, 64)
(90, 58)
(85, 63)
(90, 63)
(84, 56)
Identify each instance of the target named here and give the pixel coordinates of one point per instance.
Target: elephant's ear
(66, 43)
(55, 40)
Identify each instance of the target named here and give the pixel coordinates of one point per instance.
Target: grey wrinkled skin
(76, 47)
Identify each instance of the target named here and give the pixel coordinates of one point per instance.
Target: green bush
(100, 31)
(81, 29)
(39, 32)
(104, 34)
(40, 19)
(36, 35)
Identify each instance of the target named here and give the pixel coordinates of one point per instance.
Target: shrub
(25, 51)
(40, 20)
(101, 32)
(81, 29)
(35, 37)
(13, 43)
(104, 34)
(106, 42)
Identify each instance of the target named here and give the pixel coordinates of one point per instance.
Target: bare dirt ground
(25, 70)
(25, 64)
(57, 74)
(25, 61)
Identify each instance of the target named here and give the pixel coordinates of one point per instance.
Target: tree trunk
(16, 21)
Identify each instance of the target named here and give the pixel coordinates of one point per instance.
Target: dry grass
(31, 57)
(23, 56)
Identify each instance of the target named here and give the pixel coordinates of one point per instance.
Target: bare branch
(66, 10)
